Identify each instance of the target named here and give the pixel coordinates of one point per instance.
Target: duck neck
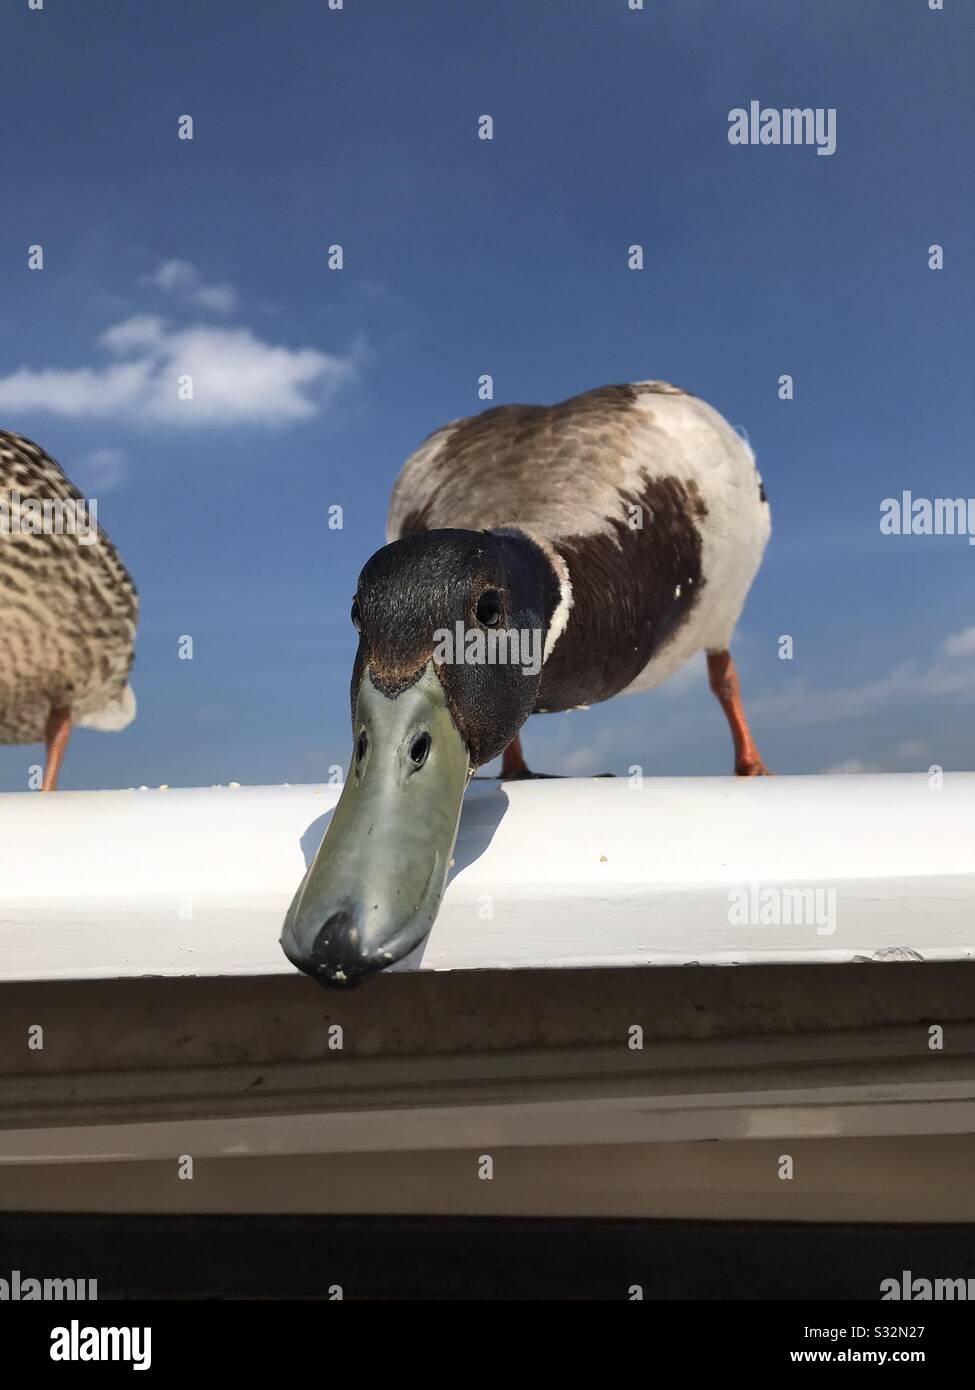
(539, 570)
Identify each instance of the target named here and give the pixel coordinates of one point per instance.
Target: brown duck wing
(68, 607)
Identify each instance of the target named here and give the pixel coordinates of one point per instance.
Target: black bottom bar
(395, 1257)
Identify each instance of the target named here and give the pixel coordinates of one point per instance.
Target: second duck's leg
(513, 765)
(723, 679)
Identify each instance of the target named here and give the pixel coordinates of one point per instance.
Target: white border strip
(572, 872)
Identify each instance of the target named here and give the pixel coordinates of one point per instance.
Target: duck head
(452, 628)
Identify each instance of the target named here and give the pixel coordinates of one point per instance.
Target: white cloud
(82, 391)
(911, 748)
(173, 275)
(961, 643)
(100, 471)
(851, 765)
(184, 279)
(223, 298)
(802, 707)
(140, 331)
(236, 378)
(580, 762)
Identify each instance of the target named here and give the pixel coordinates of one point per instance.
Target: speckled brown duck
(68, 609)
(616, 534)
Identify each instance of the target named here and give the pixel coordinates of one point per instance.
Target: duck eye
(488, 610)
(419, 749)
(356, 615)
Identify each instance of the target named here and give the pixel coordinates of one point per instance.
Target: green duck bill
(372, 891)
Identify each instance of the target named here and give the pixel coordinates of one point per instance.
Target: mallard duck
(614, 535)
(68, 609)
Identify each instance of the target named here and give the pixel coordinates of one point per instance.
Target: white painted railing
(551, 873)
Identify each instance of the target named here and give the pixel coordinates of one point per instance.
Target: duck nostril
(362, 743)
(419, 749)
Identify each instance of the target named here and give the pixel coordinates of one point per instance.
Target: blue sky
(359, 127)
